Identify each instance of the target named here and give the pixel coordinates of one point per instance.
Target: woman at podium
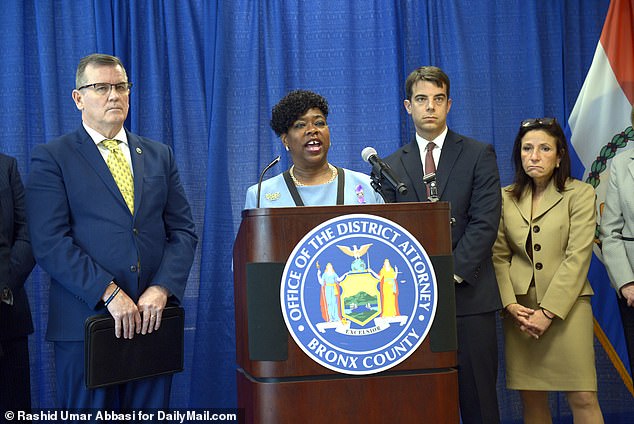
(300, 120)
(541, 258)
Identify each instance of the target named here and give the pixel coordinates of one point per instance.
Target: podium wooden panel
(423, 388)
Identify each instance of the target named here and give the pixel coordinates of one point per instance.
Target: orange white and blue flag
(600, 128)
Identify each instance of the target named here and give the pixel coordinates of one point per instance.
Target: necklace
(333, 175)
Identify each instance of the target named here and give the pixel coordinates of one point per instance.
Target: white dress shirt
(121, 136)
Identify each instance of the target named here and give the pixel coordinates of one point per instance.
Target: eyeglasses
(103, 88)
(537, 122)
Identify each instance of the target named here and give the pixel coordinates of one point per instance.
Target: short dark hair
(561, 174)
(292, 106)
(426, 73)
(96, 59)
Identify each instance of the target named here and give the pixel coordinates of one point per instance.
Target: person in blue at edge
(299, 119)
(106, 252)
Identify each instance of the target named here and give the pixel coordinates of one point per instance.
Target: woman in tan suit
(541, 258)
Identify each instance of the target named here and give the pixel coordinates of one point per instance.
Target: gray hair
(96, 59)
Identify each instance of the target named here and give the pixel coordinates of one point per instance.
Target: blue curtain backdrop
(206, 74)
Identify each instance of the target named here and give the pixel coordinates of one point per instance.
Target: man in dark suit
(111, 225)
(467, 177)
(16, 263)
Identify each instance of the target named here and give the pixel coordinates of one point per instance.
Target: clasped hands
(140, 318)
(627, 291)
(531, 321)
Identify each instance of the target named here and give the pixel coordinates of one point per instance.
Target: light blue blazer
(275, 194)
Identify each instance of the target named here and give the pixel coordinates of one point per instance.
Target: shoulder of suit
(624, 157)
(145, 143)
(141, 139)
(64, 141)
(508, 188)
(7, 158)
(507, 194)
(579, 186)
(468, 141)
(475, 143)
(403, 149)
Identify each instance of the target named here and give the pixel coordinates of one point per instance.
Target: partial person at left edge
(300, 120)
(110, 223)
(16, 263)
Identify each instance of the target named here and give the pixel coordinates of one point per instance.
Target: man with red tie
(467, 177)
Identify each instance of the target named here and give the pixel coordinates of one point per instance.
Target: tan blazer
(562, 233)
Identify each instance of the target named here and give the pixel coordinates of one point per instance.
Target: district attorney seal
(358, 294)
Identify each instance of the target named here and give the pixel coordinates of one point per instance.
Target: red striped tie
(430, 166)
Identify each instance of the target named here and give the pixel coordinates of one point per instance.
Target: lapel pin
(272, 196)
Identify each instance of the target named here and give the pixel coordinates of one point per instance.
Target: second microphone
(383, 170)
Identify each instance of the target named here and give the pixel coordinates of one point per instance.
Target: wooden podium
(278, 383)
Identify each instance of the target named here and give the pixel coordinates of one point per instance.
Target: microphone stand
(375, 181)
(273, 162)
(430, 181)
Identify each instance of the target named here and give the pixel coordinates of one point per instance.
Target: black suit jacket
(16, 257)
(467, 177)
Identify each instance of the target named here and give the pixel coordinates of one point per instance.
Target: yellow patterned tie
(120, 171)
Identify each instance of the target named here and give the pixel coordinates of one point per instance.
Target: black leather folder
(109, 360)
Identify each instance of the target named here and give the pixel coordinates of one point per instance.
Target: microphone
(269, 166)
(430, 181)
(383, 169)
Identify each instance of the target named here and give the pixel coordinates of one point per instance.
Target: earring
(286, 147)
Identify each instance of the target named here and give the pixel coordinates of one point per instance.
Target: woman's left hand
(538, 323)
